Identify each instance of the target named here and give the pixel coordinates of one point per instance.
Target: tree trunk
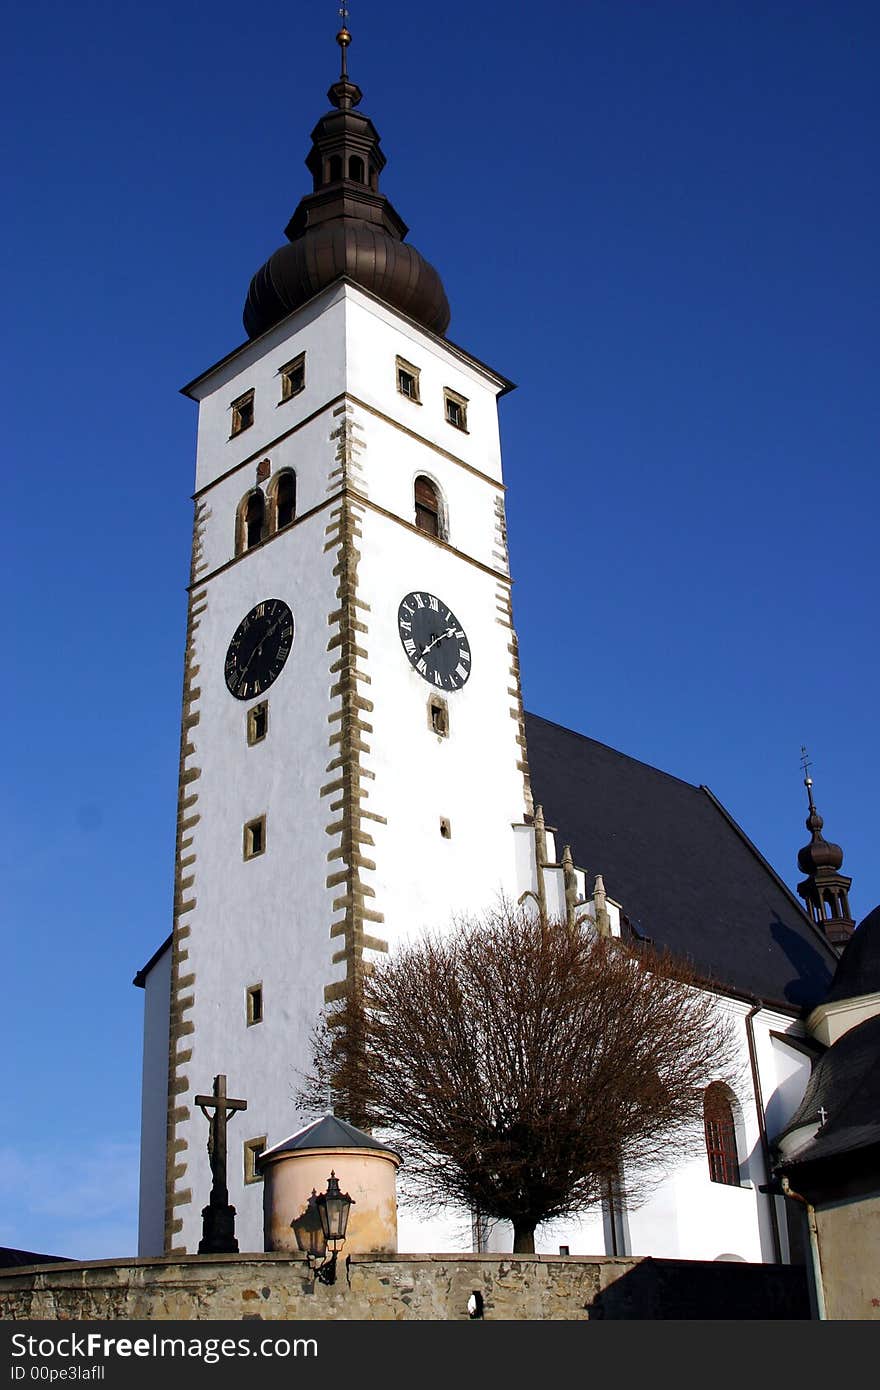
(523, 1240)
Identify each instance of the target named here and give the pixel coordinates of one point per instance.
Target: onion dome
(345, 226)
(819, 853)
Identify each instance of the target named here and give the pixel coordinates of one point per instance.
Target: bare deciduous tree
(517, 1064)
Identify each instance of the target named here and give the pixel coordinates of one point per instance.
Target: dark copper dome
(345, 226)
(365, 253)
(819, 853)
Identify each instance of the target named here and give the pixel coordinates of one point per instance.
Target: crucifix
(218, 1217)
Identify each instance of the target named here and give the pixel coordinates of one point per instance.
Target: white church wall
(317, 330)
(376, 337)
(154, 1107)
(788, 1074)
(469, 778)
(265, 920)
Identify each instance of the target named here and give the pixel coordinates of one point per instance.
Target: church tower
(353, 764)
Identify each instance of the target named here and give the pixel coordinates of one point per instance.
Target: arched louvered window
(356, 168)
(427, 503)
(720, 1127)
(254, 519)
(285, 499)
(334, 168)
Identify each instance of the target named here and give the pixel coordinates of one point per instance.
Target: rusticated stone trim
(501, 552)
(504, 608)
(182, 978)
(349, 860)
(349, 447)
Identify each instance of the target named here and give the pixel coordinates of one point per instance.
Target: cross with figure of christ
(224, 1107)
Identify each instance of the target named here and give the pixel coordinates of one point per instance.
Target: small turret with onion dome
(825, 889)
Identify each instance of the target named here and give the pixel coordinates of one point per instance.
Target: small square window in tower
(293, 377)
(252, 1150)
(438, 716)
(408, 380)
(242, 413)
(254, 838)
(254, 1005)
(257, 723)
(455, 407)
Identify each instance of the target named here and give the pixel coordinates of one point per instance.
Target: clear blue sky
(659, 219)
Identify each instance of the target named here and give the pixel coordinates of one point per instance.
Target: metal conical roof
(328, 1133)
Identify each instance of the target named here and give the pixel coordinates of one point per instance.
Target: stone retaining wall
(425, 1287)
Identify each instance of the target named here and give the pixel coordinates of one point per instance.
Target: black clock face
(434, 640)
(259, 649)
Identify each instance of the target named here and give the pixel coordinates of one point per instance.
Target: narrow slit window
(242, 413)
(293, 377)
(252, 1150)
(258, 723)
(255, 837)
(455, 407)
(254, 1004)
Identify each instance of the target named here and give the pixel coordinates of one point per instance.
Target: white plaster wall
(154, 1107)
(264, 920)
(318, 330)
(788, 1074)
(470, 777)
(376, 335)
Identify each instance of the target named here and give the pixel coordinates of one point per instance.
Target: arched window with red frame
(720, 1127)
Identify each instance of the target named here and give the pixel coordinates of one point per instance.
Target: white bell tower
(353, 754)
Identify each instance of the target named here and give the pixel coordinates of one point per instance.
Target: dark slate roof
(846, 1082)
(328, 1133)
(685, 874)
(858, 971)
(10, 1258)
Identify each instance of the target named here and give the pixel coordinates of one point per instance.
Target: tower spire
(345, 227)
(344, 94)
(343, 38)
(825, 889)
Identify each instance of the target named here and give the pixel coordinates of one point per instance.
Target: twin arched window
(720, 1127)
(261, 515)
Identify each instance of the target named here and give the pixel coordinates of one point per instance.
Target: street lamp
(331, 1209)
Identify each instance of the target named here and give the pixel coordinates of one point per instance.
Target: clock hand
(258, 648)
(450, 632)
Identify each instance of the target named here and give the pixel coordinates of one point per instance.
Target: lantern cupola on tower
(345, 227)
(825, 889)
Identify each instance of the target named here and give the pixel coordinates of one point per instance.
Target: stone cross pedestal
(218, 1217)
